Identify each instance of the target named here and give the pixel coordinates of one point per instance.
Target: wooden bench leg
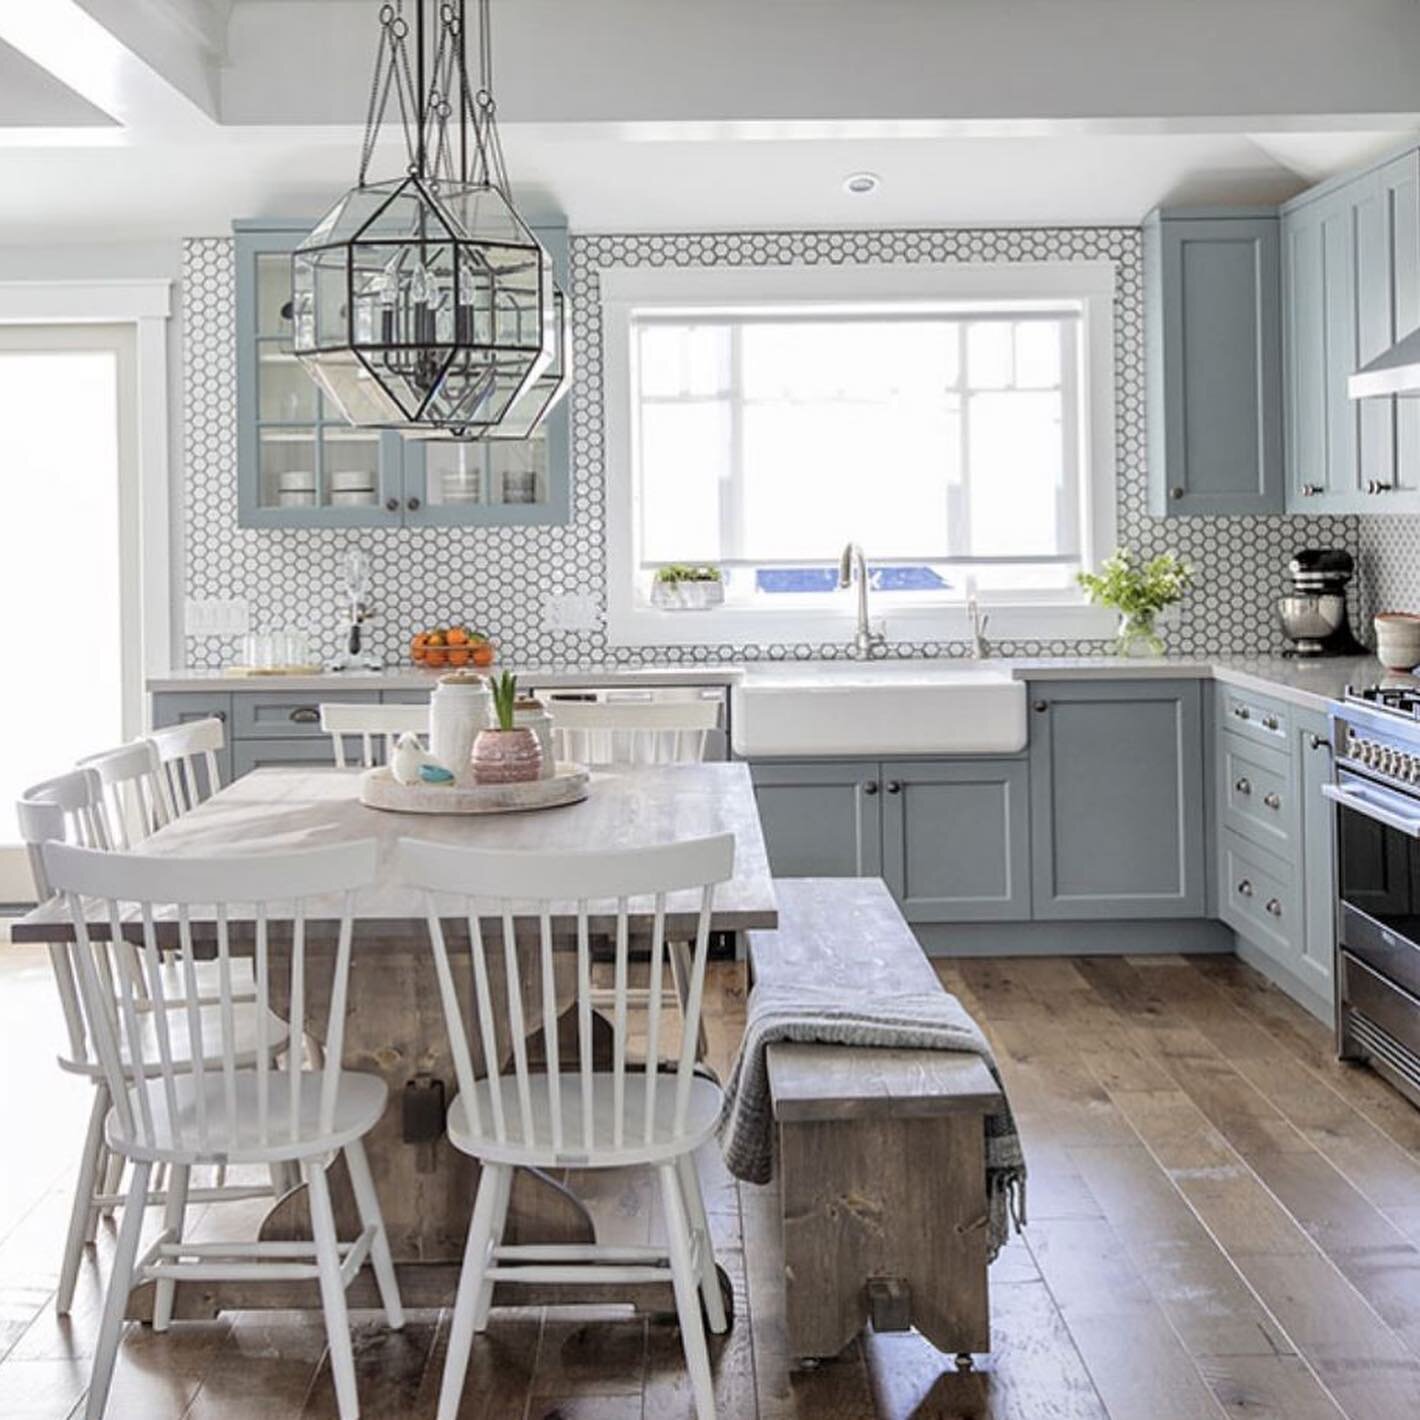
(885, 1210)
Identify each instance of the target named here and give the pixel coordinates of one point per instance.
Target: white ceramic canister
(458, 709)
(530, 715)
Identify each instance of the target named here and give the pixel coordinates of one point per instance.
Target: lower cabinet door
(1313, 754)
(820, 820)
(1116, 783)
(956, 839)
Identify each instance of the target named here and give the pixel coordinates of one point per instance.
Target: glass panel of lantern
(530, 408)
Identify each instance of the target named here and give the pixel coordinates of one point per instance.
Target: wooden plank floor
(1223, 1222)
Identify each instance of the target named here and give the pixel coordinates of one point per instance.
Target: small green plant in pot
(1138, 591)
(686, 586)
(506, 753)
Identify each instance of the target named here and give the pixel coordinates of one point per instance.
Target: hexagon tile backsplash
(500, 577)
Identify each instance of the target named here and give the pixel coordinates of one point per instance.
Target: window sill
(742, 626)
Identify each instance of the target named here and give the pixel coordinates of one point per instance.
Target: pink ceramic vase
(506, 757)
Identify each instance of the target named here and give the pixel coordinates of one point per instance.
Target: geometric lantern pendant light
(425, 303)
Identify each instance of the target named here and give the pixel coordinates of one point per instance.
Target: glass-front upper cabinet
(299, 464)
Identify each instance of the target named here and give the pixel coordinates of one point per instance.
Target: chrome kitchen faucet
(867, 643)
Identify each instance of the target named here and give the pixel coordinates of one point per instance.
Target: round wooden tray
(380, 790)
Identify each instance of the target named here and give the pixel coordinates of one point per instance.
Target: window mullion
(732, 487)
(959, 521)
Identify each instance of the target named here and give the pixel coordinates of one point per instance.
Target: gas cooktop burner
(1397, 699)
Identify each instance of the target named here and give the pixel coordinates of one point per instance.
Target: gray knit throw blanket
(918, 1021)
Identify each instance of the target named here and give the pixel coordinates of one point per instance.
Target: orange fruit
(483, 653)
(436, 638)
(457, 636)
(459, 655)
(436, 656)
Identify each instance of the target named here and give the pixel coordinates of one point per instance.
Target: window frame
(1087, 287)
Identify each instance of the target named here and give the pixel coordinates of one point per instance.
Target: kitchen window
(957, 422)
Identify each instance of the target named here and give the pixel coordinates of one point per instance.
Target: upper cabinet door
(519, 481)
(299, 464)
(1214, 372)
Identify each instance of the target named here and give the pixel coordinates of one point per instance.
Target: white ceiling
(659, 114)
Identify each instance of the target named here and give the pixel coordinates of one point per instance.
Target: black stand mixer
(1313, 613)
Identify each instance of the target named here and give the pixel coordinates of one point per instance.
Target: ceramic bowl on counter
(1398, 640)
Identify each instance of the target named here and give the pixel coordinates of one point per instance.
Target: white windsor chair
(68, 809)
(372, 723)
(187, 755)
(573, 1114)
(133, 802)
(167, 1112)
(632, 731)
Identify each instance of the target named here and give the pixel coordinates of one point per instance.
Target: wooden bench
(880, 1151)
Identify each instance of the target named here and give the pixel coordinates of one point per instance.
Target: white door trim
(146, 303)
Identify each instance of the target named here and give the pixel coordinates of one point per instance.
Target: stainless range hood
(1396, 371)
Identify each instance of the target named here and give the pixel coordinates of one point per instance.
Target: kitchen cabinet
(820, 820)
(182, 709)
(288, 433)
(950, 837)
(1313, 757)
(956, 838)
(1116, 789)
(1351, 286)
(1213, 370)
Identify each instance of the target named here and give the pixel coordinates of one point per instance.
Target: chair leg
(475, 1263)
(332, 1293)
(687, 1293)
(174, 1218)
(83, 1216)
(368, 1203)
(498, 1221)
(116, 1300)
(681, 964)
(689, 1178)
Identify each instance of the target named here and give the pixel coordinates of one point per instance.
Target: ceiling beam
(128, 59)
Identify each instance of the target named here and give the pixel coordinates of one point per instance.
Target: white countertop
(1309, 683)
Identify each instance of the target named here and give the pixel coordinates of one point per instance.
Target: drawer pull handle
(305, 715)
(1274, 907)
(1317, 742)
(1312, 490)
(1243, 785)
(1273, 801)
(1245, 888)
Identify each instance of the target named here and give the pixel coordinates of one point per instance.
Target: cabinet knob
(1041, 706)
(1312, 490)
(1375, 485)
(1176, 494)
(1243, 785)
(1242, 712)
(894, 786)
(1270, 722)
(1274, 907)
(412, 504)
(391, 505)
(1315, 741)
(1273, 801)
(870, 786)
(1245, 888)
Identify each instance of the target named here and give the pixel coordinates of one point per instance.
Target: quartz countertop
(1309, 683)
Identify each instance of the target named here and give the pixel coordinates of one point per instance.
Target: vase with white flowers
(1138, 591)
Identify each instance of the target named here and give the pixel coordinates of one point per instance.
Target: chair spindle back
(372, 723)
(134, 799)
(181, 749)
(632, 732)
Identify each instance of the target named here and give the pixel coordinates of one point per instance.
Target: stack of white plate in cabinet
(352, 488)
(297, 488)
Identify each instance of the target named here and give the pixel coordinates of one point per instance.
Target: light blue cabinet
(820, 820)
(1351, 286)
(956, 838)
(299, 464)
(1116, 786)
(1214, 361)
(1313, 759)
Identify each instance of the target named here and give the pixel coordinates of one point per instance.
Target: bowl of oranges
(440, 646)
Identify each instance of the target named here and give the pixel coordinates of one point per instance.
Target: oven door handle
(1369, 802)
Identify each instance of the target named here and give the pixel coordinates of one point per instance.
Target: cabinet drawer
(1256, 791)
(258, 754)
(1261, 720)
(275, 715)
(173, 707)
(1259, 897)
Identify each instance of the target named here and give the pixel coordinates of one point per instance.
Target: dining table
(395, 1023)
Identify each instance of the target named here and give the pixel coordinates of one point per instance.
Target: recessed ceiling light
(861, 184)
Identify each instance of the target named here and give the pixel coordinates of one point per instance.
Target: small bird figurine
(412, 764)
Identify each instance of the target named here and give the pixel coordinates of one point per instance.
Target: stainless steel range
(1376, 743)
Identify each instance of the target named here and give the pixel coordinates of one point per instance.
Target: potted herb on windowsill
(682, 586)
(508, 753)
(1138, 592)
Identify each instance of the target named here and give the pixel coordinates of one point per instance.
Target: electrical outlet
(571, 611)
(211, 616)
